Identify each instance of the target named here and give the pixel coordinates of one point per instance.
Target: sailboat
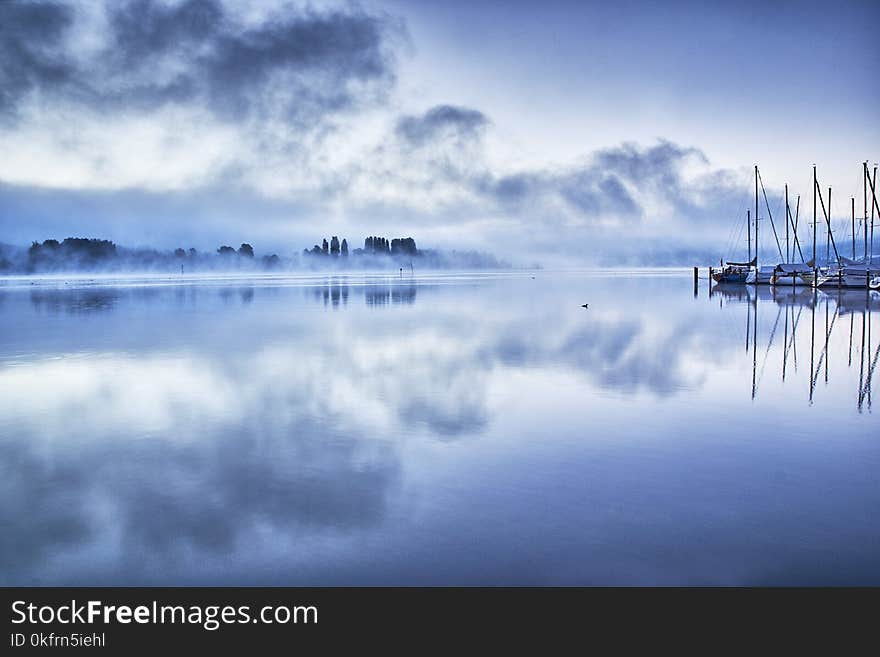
(785, 272)
(734, 272)
(852, 272)
(788, 273)
(740, 272)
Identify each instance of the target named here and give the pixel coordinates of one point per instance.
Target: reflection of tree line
(244, 294)
(337, 293)
(74, 301)
(823, 317)
(78, 300)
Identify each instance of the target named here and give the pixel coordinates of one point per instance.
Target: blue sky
(530, 129)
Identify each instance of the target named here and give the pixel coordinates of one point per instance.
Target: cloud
(441, 122)
(435, 171)
(293, 64)
(29, 56)
(199, 122)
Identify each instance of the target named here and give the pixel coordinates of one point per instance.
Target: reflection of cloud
(42, 507)
(220, 429)
(178, 457)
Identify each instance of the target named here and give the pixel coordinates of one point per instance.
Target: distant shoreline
(87, 256)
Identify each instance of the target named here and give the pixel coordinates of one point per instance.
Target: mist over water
(436, 429)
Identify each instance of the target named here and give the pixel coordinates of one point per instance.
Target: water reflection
(74, 300)
(473, 431)
(826, 309)
(336, 293)
(380, 295)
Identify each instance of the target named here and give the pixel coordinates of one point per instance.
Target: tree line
(373, 245)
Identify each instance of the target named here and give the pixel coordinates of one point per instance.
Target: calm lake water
(448, 429)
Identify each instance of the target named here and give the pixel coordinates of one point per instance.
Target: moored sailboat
(734, 272)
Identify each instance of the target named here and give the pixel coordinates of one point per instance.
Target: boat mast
(814, 215)
(828, 233)
(826, 212)
(756, 223)
(787, 259)
(874, 198)
(865, 219)
(749, 230)
(854, 227)
(794, 228)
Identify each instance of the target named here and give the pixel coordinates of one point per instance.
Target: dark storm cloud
(589, 191)
(29, 58)
(660, 162)
(618, 182)
(440, 122)
(295, 64)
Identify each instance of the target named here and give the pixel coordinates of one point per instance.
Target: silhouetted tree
(226, 251)
(344, 248)
(179, 253)
(246, 250)
(403, 246)
(334, 245)
(325, 247)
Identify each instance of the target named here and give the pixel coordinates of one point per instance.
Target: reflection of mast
(755, 342)
(823, 357)
(852, 318)
(865, 388)
(792, 344)
(862, 361)
(770, 342)
(785, 344)
(748, 323)
(813, 333)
